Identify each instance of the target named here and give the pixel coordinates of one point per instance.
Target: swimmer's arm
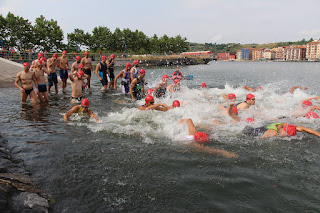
(191, 127)
(208, 96)
(68, 64)
(210, 150)
(225, 96)
(85, 76)
(70, 112)
(134, 82)
(73, 67)
(170, 88)
(35, 80)
(143, 87)
(154, 106)
(222, 108)
(94, 116)
(269, 133)
(308, 130)
(232, 115)
(96, 71)
(314, 107)
(50, 63)
(115, 80)
(16, 82)
(71, 75)
(313, 98)
(249, 88)
(131, 73)
(46, 70)
(162, 107)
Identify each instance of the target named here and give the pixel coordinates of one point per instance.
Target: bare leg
(40, 96)
(46, 96)
(56, 87)
(24, 97)
(33, 97)
(88, 81)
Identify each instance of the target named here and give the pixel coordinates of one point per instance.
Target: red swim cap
(176, 81)
(259, 88)
(148, 99)
(64, 52)
(39, 61)
(112, 56)
(86, 53)
(128, 65)
(103, 57)
(43, 59)
(40, 55)
(80, 73)
(290, 129)
(312, 114)
(80, 66)
(100, 52)
(201, 137)
(135, 62)
(176, 103)
(231, 96)
(149, 91)
(142, 71)
(55, 55)
(165, 77)
(204, 85)
(250, 120)
(78, 58)
(235, 110)
(26, 64)
(85, 102)
(306, 104)
(250, 96)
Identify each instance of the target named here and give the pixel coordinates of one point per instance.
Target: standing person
(177, 74)
(137, 86)
(161, 88)
(33, 64)
(40, 69)
(101, 72)
(82, 110)
(125, 79)
(77, 85)
(27, 78)
(110, 63)
(87, 66)
(134, 72)
(52, 76)
(63, 65)
(75, 65)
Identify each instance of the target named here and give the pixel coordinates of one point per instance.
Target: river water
(137, 161)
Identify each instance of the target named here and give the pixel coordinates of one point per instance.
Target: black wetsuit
(161, 92)
(137, 93)
(103, 74)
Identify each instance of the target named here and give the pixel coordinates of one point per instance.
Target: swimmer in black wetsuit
(137, 86)
(161, 88)
(101, 72)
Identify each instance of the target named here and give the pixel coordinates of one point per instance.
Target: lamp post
(125, 50)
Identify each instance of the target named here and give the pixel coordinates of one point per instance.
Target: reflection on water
(136, 161)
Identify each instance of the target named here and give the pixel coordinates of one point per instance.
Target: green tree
(48, 35)
(101, 39)
(18, 32)
(79, 38)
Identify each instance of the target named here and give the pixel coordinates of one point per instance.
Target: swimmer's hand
(22, 90)
(99, 121)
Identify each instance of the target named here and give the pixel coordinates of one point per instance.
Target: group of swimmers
(133, 83)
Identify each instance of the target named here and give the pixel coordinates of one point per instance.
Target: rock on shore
(17, 194)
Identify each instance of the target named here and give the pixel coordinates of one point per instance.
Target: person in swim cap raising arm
(82, 109)
(200, 138)
(149, 105)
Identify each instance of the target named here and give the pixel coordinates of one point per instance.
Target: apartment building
(269, 54)
(238, 55)
(257, 54)
(313, 51)
(295, 53)
(280, 53)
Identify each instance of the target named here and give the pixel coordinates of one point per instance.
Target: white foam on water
(150, 125)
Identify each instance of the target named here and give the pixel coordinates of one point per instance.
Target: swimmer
(52, 77)
(101, 72)
(161, 88)
(293, 89)
(75, 65)
(230, 97)
(149, 105)
(306, 107)
(204, 85)
(110, 65)
(250, 100)
(77, 85)
(137, 86)
(27, 78)
(177, 74)
(251, 89)
(175, 87)
(125, 79)
(199, 138)
(274, 129)
(39, 70)
(82, 109)
(63, 65)
(33, 63)
(150, 92)
(87, 66)
(134, 71)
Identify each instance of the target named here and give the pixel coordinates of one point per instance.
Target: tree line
(47, 35)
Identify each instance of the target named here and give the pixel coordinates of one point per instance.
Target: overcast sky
(220, 21)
